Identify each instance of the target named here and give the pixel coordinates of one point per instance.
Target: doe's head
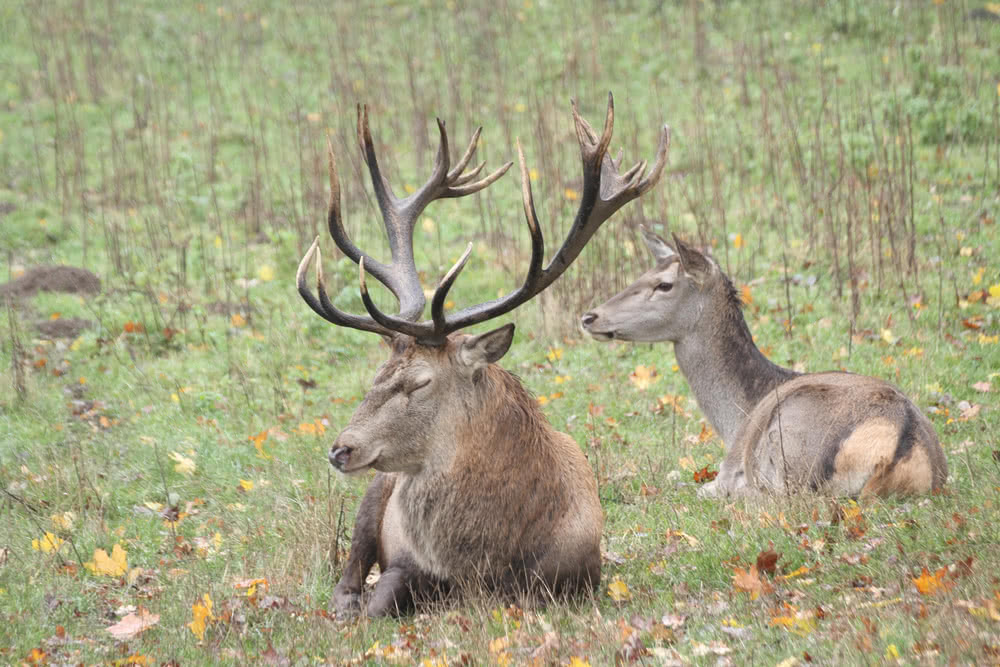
(664, 303)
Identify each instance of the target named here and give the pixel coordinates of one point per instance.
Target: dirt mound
(51, 279)
(68, 327)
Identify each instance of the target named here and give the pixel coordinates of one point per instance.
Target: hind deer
(473, 485)
(832, 432)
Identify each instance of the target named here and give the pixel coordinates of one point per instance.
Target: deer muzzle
(340, 456)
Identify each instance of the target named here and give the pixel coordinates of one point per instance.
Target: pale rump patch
(912, 474)
(871, 445)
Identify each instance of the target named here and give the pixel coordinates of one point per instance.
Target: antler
(605, 190)
(400, 217)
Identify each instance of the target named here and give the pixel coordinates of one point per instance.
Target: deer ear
(487, 348)
(656, 245)
(693, 262)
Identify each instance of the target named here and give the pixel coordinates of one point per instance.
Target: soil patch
(64, 327)
(51, 279)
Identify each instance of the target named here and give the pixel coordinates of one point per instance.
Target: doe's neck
(727, 373)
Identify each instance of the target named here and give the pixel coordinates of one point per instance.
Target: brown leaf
(767, 561)
(982, 386)
(133, 624)
(750, 582)
(970, 412)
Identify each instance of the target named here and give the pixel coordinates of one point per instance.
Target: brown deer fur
(830, 432)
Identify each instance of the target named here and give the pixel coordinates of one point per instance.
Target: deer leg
(364, 547)
(399, 586)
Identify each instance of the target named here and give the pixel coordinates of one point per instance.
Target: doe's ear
(694, 263)
(487, 348)
(657, 246)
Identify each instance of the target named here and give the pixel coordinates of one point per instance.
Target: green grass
(178, 152)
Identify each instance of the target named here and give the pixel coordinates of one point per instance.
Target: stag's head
(429, 386)
(665, 303)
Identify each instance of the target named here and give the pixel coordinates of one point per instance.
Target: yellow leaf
(746, 296)
(114, 565)
(799, 624)
(737, 241)
(891, 652)
(238, 320)
(246, 484)
(218, 241)
(543, 400)
(49, 543)
(266, 273)
(643, 377)
(554, 354)
(185, 466)
(618, 590)
(571, 194)
(498, 645)
(427, 225)
(578, 662)
(64, 520)
(201, 612)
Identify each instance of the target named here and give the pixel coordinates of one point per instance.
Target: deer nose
(339, 456)
(588, 319)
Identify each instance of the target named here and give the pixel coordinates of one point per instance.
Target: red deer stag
(832, 432)
(474, 486)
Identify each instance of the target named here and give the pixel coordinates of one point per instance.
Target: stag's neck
(727, 373)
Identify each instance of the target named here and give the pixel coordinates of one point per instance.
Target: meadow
(165, 496)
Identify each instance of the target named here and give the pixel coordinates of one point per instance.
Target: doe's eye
(664, 287)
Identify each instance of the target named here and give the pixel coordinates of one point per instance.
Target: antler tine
(662, 154)
(469, 175)
(462, 190)
(441, 293)
(322, 306)
(467, 157)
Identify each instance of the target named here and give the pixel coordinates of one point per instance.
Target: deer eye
(664, 287)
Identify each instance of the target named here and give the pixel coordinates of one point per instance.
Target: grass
(841, 158)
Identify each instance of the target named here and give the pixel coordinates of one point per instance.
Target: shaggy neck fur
(726, 371)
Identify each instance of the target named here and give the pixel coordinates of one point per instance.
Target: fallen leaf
(749, 581)
(984, 387)
(767, 561)
(133, 624)
(184, 465)
(202, 615)
(50, 542)
(930, 584)
(643, 377)
(705, 475)
(618, 590)
(114, 565)
(970, 412)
